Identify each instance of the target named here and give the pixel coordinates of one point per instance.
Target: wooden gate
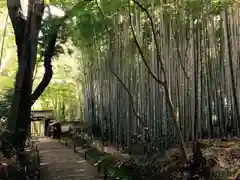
(37, 128)
(38, 121)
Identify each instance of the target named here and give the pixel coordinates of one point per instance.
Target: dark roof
(71, 122)
(41, 113)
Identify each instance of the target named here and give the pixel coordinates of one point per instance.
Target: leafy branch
(48, 68)
(49, 52)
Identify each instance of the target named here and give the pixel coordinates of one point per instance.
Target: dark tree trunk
(18, 23)
(196, 121)
(26, 35)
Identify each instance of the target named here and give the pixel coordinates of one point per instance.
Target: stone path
(61, 163)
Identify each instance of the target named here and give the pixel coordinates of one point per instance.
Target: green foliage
(63, 3)
(86, 26)
(111, 7)
(5, 103)
(49, 26)
(116, 173)
(63, 94)
(213, 7)
(106, 161)
(113, 168)
(94, 154)
(62, 98)
(2, 4)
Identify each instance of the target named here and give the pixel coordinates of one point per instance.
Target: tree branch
(48, 67)
(103, 17)
(49, 52)
(159, 59)
(141, 52)
(164, 82)
(180, 57)
(141, 119)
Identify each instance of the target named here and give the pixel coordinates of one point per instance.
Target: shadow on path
(61, 163)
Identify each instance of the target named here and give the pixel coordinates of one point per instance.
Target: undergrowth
(219, 161)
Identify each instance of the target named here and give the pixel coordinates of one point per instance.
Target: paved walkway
(61, 163)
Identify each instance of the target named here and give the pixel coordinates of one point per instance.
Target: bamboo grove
(146, 60)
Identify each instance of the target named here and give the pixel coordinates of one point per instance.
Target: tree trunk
(26, 36)
(233, 81)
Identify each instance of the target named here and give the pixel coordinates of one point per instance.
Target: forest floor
(221, 161)
(61, 163)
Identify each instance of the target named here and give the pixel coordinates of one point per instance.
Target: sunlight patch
(53, 12)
